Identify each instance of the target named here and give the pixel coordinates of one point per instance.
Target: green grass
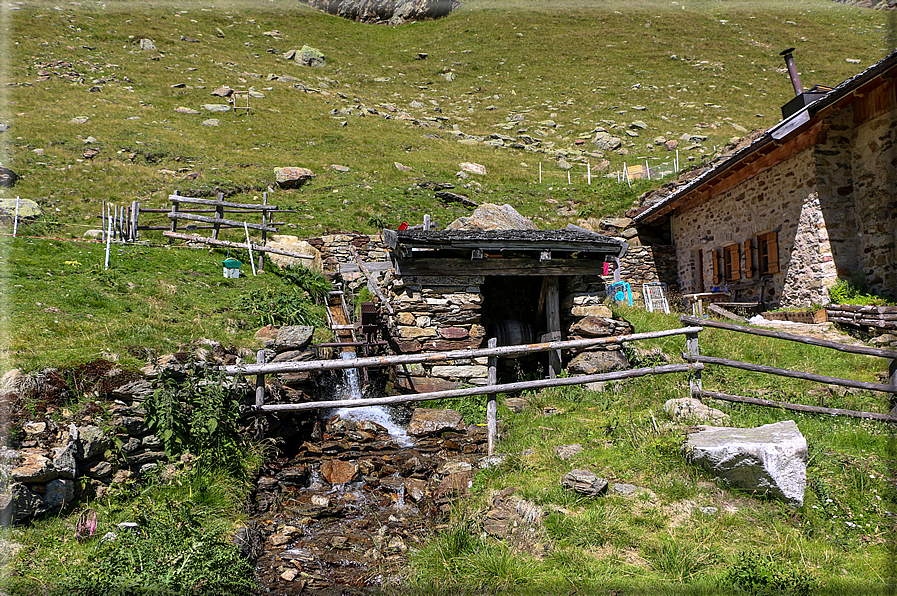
(838, 542)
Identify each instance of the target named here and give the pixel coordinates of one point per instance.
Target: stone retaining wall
(335, 248)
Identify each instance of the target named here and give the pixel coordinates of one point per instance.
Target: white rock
(770, 459)
(689, 409)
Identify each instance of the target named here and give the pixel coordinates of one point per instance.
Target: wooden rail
(491, 389)
(697, 390)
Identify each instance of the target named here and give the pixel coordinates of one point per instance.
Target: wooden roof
(573, 251)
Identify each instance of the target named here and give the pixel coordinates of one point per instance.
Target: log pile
(881, 317)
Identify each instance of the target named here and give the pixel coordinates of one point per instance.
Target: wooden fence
(491, 389)
(697, 391)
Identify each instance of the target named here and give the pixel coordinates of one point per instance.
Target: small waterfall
(352, 390)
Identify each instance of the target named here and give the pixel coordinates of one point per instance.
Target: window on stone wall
(732, 262)
(768, 251)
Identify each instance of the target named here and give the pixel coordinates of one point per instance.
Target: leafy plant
(761, 575)
(280, 307)
(198, 414)
(316, 284)
(855, 292)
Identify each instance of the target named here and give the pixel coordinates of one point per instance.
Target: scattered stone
(585, 483)
(630, 490)
(590, 363)
(79, 120)
(292, 177)
(27, 208)
(309, 56)
(147, 44)
(473, 168)
(289, 575)
(211, 122)
(689, 409)
(769, 459)
(293, 337)
(402, 167)
(566, 452)
(223, 91)
(427, 421)
(516, 404)
(339, 168)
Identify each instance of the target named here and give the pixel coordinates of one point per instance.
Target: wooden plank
(175, 198)
(455, 393)
(799, 407)
(431, 357)
(260, 396)
(229, 244)
(553, 323)
(219, 221)
(790, 337)
(265, 222)
(495, 266)
(492, 399)
(794, 374)
(715, 308)
(372, 285)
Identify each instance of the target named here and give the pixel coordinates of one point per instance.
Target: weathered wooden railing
(696, 388)
(491, 389)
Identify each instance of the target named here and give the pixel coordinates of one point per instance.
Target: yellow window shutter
(736, 263)
(748, 260)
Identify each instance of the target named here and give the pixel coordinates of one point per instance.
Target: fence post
(264, 232)
(135, 214)
(219, 214)
(260, 397)
(892, 372)
(694, 381)
(175, 206)
(491, 404)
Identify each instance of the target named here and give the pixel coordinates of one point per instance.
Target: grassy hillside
(697, 68)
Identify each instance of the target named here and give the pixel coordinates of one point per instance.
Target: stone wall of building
(874, 163)
(832, 207)
(768, 202)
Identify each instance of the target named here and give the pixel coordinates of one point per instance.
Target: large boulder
(768, 460)
(489, 216)
(294, 244)
(292, 177)
(394, 12)
(27, 208)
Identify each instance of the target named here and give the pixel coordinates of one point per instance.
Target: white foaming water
(377, 414)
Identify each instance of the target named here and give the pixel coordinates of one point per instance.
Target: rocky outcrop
(767, 460)
(489, 216)
(393, 12)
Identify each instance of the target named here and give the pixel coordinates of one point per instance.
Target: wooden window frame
(732, 263)
(768, 253)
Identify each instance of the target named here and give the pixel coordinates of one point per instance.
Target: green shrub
(856, 292)
(761, 575)
(316, 284)
(281, 307)
(198, 415)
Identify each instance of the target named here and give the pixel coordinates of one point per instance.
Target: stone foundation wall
(335, 248)
(434, 314)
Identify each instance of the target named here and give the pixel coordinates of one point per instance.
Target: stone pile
(585, 316)
(352, 498)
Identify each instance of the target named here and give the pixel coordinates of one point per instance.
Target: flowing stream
(351, 390)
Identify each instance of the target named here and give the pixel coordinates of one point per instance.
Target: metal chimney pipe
(792, 71)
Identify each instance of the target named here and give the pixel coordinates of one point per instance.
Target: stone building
(810, 201)
(453, 289)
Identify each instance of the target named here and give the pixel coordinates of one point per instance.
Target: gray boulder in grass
(769, 460)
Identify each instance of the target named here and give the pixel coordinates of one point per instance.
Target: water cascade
(351, 390)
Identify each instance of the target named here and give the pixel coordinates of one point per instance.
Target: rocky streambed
(340, 513)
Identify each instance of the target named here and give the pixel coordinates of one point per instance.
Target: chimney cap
(786, 52)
